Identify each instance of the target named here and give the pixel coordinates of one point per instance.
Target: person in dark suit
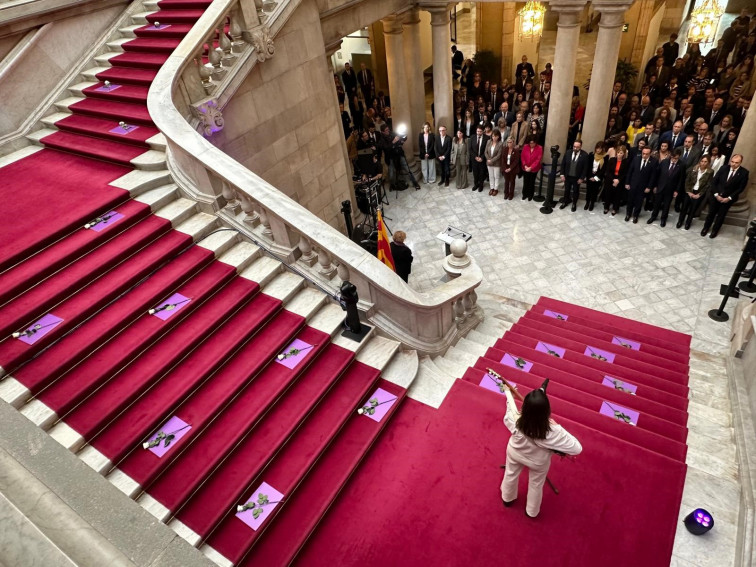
(671, 50)
(674, 137)
(524, 65)
(728, 184)
(697, 183)
(402, 255)
(349, 78)
(641, 178)
(574, 171)
(443, 152)
(427, 150)
(477, 153)
(667, 186)
(367, 84)
(614, 180)
(595, 176)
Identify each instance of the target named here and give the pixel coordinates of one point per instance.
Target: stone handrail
(187, 93)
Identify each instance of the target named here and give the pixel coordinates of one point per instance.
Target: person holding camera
(535, 436)
(391, 146)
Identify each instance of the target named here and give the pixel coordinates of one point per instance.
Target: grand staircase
(174, 356)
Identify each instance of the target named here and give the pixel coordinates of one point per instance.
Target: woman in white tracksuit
(535, 437)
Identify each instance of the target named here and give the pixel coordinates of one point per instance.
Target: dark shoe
(480, 189)
(441, 182)
(651, 220)
(614, 213)
(585, 208)
(677, 208)
(490, 192)
(417, 187)
(687, 225)
(562, 206)
(627, 218)
(663, 223)
(590, 207)
(635, 220)
(508, 504)
(705, 231)
(524, 196)
(447, 183)
(606, 211)
(713, 234)
(679, 223)
(530, 198)
(495, 192)
(574, 207)
(474, 188)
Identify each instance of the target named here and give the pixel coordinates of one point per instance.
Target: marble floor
(663, 276)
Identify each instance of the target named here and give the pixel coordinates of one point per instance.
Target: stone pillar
(744, 146)
(568, 34)
(509, 16)
(602, 75)
(397, 77)
(414, 70)
(442, 76)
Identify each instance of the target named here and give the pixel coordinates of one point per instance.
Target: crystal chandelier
(531, 20)
(704, 21)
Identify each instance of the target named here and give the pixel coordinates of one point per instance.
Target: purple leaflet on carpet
(620, 385)
(516, 362)
(261, 505)
(39, 329)
(599, 354)
(378, 405)
(620, 413)
(167, 436)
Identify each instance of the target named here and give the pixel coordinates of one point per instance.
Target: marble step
(129, 31)
(483, 339)
(177, 211)
(379, 352)
(151, 160)
(430, 385)
(470, 349)
(158, 197)
(263, 271)
(138, 181)
(241, 256)
(220, 242)
(450, 366)
(199, 225)
(402, 369)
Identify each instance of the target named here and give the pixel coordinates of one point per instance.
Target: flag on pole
(384, 248)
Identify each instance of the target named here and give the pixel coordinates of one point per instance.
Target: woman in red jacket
(530, 159)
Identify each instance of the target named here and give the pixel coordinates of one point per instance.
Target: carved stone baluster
(252, 218)
(232, 203)
(343, 272)
(204, 74)
(235, 31)
(469, 306)
(265, 221)
(474, 298)
(260, 11)
(225, 46)
(214, 55)
(326, 267)
(459, 311)
(308, 256)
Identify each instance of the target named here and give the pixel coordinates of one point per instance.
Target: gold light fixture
(531, 20)
(704, 21)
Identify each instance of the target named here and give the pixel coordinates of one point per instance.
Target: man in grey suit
(641, 178)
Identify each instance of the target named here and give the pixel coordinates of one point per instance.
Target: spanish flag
(384, 248)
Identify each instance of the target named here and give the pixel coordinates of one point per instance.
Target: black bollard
(548, 205)
(348, 300)
(346, 210)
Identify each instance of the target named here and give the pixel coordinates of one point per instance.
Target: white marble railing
(187, 95)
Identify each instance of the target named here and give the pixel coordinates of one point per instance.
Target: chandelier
(531, 20)
(704, 21)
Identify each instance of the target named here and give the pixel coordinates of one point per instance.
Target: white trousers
(536, 480)
(428, 168)
(494, 173)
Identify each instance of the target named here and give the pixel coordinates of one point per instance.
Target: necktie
(686, 154)
(480, 141)
(732, 172)
(671, 166)
(574, 156)
(674, 140)
(643, 164)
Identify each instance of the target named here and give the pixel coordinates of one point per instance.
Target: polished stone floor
(663, 276)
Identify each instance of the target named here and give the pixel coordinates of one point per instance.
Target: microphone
(544, 385)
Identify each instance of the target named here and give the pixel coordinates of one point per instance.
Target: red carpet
(428, 494)
(74, 189)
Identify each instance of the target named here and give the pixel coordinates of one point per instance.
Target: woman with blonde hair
(510, 167)
(595, 176)
(614, 179)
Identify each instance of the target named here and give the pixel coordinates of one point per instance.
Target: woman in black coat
(595, 179)
(402, 255)
(614, 180)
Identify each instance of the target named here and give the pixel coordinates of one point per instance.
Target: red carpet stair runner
(428, 492)
(193, 370)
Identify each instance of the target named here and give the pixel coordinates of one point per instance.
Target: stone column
(744, 146)
(443, 103)
(602, 75)
(397, 78)
(509, 16)
(414, 70)
(568, 34)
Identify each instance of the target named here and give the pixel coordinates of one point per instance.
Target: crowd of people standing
(665, 146)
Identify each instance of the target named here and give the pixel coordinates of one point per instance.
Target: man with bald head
(728, 184)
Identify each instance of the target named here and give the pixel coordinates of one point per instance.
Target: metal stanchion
(730, 291)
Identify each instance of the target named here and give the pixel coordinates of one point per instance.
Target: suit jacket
(581, 166)
(477, 150)
(667, 137)
(652, 140)
(365, 78)
(349, 80)
(639, 179)
(703, 184)
(445, 148)
(532, 158)
(731, 188)
(599, 172)
(514, 161)
(609, 172)
(692, 159)
(508, 116)
(647, 115)
(689, 125)
(402, 259)
(519, 140)
(520, 84)
(671, 51)
(668, 181)
(521, 66)
(713, 117)
(493, 156)
(431, 149)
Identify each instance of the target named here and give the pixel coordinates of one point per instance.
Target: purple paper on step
(384, 401)
(552, 350)
(40, 328)
(294, 353)
(627, 343)
(160, 27)
(110, 218)
(555, 315)
(124, 131)
(107, 89)
(620, 385)
(174, 426)
(254, 517)
(492, 383)
(599, 354)
(170, 306)
(620, 413)
(516, 362)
